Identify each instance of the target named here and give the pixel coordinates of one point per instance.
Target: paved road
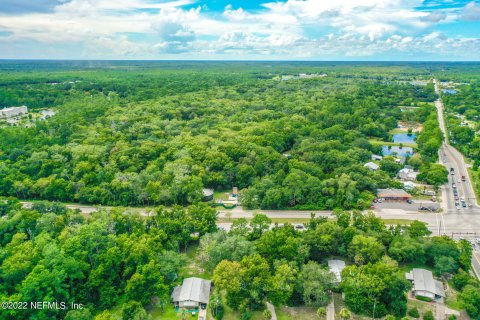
(476, 262)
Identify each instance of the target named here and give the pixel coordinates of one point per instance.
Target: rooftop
(393, 193)
(192, 289)
(423, 281)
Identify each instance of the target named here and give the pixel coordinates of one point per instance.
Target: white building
(336, 267)
(11, 112)
(407, 174)
(376, 157)
(372, 166)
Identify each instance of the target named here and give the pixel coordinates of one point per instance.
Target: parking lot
(403, 205)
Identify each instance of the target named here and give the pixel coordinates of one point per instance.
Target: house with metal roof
(336, 267)
(393, 194)
(424, 284)
(193, 293)
(372, 166)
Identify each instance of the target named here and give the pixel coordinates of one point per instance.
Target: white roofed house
(424, 285)
(372, 166)
(193, 293)
(407, 174)
(336, 267)
(12, 112)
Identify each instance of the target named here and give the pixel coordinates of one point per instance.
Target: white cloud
(471, 12)
(294, 29)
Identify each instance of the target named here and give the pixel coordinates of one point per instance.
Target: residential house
(372, 166)
(424, 284)
(193, 293)
(12, 112)
(407, 174)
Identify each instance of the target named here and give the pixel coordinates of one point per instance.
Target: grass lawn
(405, 267)
(394, 222)
(221, 194)
(274, 220)
(294, 313)
(169, 314)
(452, 298)
(422, 306)
(192, 268)
(305, 220)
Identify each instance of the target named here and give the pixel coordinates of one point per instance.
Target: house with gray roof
(193, 293)
(372, 166)
(424, 284)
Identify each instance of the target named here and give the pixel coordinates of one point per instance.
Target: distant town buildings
(12, 112)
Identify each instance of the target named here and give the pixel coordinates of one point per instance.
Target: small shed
(207, 194)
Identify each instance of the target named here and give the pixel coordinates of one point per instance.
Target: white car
(457, 207)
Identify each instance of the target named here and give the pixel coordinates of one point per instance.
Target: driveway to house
(202, 314)
(271, 307)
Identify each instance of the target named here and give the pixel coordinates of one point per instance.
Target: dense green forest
(119, 265)
(141, 134)
(157, 133)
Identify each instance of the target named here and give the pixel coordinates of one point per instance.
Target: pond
(404, 138)
(402, 152)
(449, 91)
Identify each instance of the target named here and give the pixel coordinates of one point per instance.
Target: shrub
(246, 316)
(414, 313)
(452, 317)
(321, 312)
(428, 315)
(422, 298)
(267, 314)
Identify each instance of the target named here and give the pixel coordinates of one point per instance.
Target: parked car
(410, 201)
(457, 207)
(463, 178)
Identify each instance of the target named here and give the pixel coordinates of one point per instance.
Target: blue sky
(240, 29)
